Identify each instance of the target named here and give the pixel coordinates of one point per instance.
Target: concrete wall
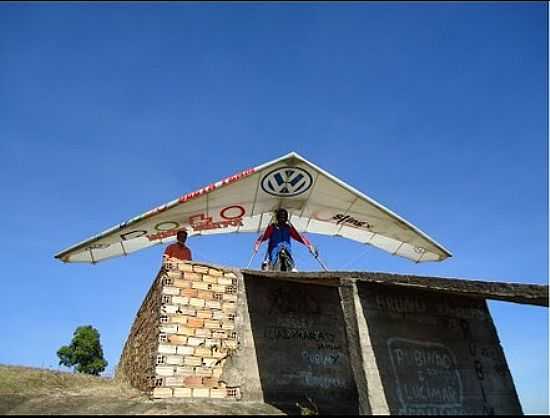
(346, 345)
(301, 345)
(437, 354)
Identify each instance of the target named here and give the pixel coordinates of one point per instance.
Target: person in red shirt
(179, 250)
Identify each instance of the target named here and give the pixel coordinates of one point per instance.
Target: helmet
(281, 211)
(281, 214)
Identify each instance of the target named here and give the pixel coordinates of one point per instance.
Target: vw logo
(287, 181)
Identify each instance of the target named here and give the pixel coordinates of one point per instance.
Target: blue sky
(437, 111)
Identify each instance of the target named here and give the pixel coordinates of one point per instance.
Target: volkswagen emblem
(287, 182)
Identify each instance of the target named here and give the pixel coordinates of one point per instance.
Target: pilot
(279, 235)
(178, 249)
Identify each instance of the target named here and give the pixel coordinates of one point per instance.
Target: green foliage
(84, 353)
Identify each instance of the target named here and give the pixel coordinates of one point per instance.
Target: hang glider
(316, 201)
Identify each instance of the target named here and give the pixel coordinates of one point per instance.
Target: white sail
(316, 201)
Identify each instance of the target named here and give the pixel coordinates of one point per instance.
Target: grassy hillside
(26, 390)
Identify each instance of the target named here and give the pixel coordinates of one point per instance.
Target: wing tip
(60, 258)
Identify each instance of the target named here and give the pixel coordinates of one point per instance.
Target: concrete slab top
(529, 294)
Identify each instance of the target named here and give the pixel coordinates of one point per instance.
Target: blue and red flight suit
(279, 238)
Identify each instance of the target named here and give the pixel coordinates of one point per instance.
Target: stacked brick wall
(194, 333)
(137, 365)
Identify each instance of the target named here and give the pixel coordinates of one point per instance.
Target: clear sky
(437, 111)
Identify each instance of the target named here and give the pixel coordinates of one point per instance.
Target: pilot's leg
(266, 263)
(292, 262)
(274, 257)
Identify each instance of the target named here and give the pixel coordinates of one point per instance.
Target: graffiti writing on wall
(325, 382)
(288, 301)
(426, 374)
(301, 334)
(445, 307)
(474, 311)
(304, 325)
(294, 321)
(488, 354)
(328, 346)
(323, 359)
(442, 411)
(400, 304)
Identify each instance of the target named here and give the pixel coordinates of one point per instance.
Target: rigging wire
(355, 259)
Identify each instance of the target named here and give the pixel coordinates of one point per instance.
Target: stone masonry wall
(193, 324)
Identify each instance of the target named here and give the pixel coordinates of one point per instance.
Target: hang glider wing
(317, 202)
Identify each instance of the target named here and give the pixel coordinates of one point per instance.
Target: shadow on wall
(301, 347)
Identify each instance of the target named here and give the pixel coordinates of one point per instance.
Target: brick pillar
(192, 318)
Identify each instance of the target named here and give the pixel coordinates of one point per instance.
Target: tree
(85, 352)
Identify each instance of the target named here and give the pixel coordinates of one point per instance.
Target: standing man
(279, 235)
(179, 250)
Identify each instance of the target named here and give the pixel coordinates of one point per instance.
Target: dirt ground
(29, 391)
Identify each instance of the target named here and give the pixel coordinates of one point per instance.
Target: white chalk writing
(400, 304)
(426, 374)
(321, 359)
(285, 333)
(325, 382)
